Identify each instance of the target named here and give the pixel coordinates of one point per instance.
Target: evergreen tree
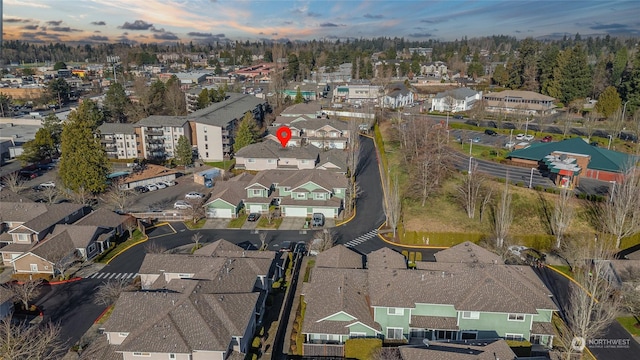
(203, 99)
(84, 165)
(53, 125)
(513, 71)
(475, 68)
(500, 76)
(247, 132)
(184, 153)
(42, 147)
(575, 81)
(293, 67)
(299, 99)
(115, 104)
(619, 65)
(59, 65)
(59, 90)
(608, 102)
(631, 86)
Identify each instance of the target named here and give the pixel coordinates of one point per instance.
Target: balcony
(108, 140)
(154, 132)
(226, 140)
(152, 147)
(323, 350)
(225, 132)
(155, 141)
(110, 147)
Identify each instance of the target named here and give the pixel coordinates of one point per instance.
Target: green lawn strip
(105, 316)
(226, 165)
(105, 257)
(263, 223)
(630, 324)
(565, 269)
(237, 222)
(630, 241)
(194, 226)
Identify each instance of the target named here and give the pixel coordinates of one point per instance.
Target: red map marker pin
(284, 134)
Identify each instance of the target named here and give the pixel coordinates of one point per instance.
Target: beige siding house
(270, 155)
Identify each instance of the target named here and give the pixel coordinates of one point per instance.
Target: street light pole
(470, 146)
(511, 136)
(470, 158)
(624, 108)
(610, 138)
(531, 178)
(613, 189)
(526, 126)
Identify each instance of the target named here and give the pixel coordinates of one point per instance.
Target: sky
(161, 21)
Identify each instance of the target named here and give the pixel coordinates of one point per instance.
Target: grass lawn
(226, 165)
(137, 237)
(565, 269)
(237, 222)
(630, 324)
(194, 226)
(263, 223)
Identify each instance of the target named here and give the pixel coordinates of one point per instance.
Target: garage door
(328, 213)
(220, 213)
(255, 209)
(295, 211)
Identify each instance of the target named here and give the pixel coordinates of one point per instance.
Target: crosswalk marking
(114, 276)
(362, 238)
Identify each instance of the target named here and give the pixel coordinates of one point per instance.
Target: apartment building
(159, 135)
(120, 141)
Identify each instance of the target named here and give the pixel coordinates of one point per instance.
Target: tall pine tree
(575, 81)
(247, 132)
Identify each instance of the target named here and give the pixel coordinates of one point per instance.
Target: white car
(194, 196)
(509, 145)
(48, 184)
(528, 137)
(152, 187)
(160, 185)
(168, 183)
(181, 205)
(520, 137)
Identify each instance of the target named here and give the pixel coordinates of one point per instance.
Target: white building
(119, 140)
(159, 135)
(357, 93)
(457, 100)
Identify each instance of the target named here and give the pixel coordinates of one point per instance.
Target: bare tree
(486, 200)
(386, 353)
(50, 194)
(562, 215)
(621, 214)
(25, 341)
(324, 240)
(196, 211)
(263, 235)
(615, 123)
(196, 240)
(589, 122)
(630, 278)
(565, 123)
(353, 150)
(470, 191)
(131, 224)
(119, 196)
(108, 292)
(24, 292)
(502, 216)
(14, 183)
(154, 248)
(393, 204)
(593, 304)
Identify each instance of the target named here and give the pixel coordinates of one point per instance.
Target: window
(516, 317)
(172, 356)
(256, 192)
(301, 196)
(21, 237)
(206, 138)
(206, 154)
(271, 161)
(304, 161)
(337, 191)
(206, 146)
(205, 129)
(318, 196)
(145, 354)
(470, 315)
(92, 248)
(395, 311)
(445, 335)
(286, 188)
(123, 334)
(509, 336)
(353, 335)
(251, 160)
(469, 335)
(394, 333)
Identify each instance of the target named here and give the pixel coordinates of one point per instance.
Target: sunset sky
(98, 21)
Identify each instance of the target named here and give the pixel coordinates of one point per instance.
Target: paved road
(559, 286)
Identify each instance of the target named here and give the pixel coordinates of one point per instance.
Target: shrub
(256, 343)
(361, 349)
(277, 284)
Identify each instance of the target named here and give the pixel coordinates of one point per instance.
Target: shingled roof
(469, 350)
(468, 252)
(221, 113)
(601, 159)
(104, 218)
(272, 150)
(339, 256)
(386, 258)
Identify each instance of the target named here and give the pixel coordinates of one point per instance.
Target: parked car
(160, 185)
(520, 137)
(169, 183)
(253, 217)
(317, 219)
(194, 196)
(458, 117)
(528, 137)
(477, 139)
(141, 189)
(182, 205)
(510, 145)
(152, 187)
(490, 132)
(285, 246)
(547, 138)
(27, 175)
(48, 184)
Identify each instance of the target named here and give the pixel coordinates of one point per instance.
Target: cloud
(219, 35)
(371, 16)
(434, 21)
(15, 20)
(136, 25)
(274, 34)
(613, 26)
(420, 35)
(62, 29)
(97, 38)
(328, 24)
(30, 27)
(98, 23)
(199, 34)
(153, 29)
(54, 22)
(313, 14)
(165, 36)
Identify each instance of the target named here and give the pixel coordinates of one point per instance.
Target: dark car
(141, 189)
(458, 117)
(28, 175)
(547, 138)
(285, 246)
(490, 132)
(317, 219)
(253, 217)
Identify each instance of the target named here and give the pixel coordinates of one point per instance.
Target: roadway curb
(145, 238)
(65, 281)
(572, 280)
(408, 246)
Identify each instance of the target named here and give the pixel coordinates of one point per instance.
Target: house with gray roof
(456, 100)
(107, 219)
(333, 160)
(65, 245)
(268, 155)
(158, 135)
(206, 305)
(227, 198)
(119, 140)
(214, 126)
(323, 133)
(468, 252)
(339, 257)
(397, 95)
(6, 302)
(437, 301)
(519, 102)
(496, 349)
(25, 224)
